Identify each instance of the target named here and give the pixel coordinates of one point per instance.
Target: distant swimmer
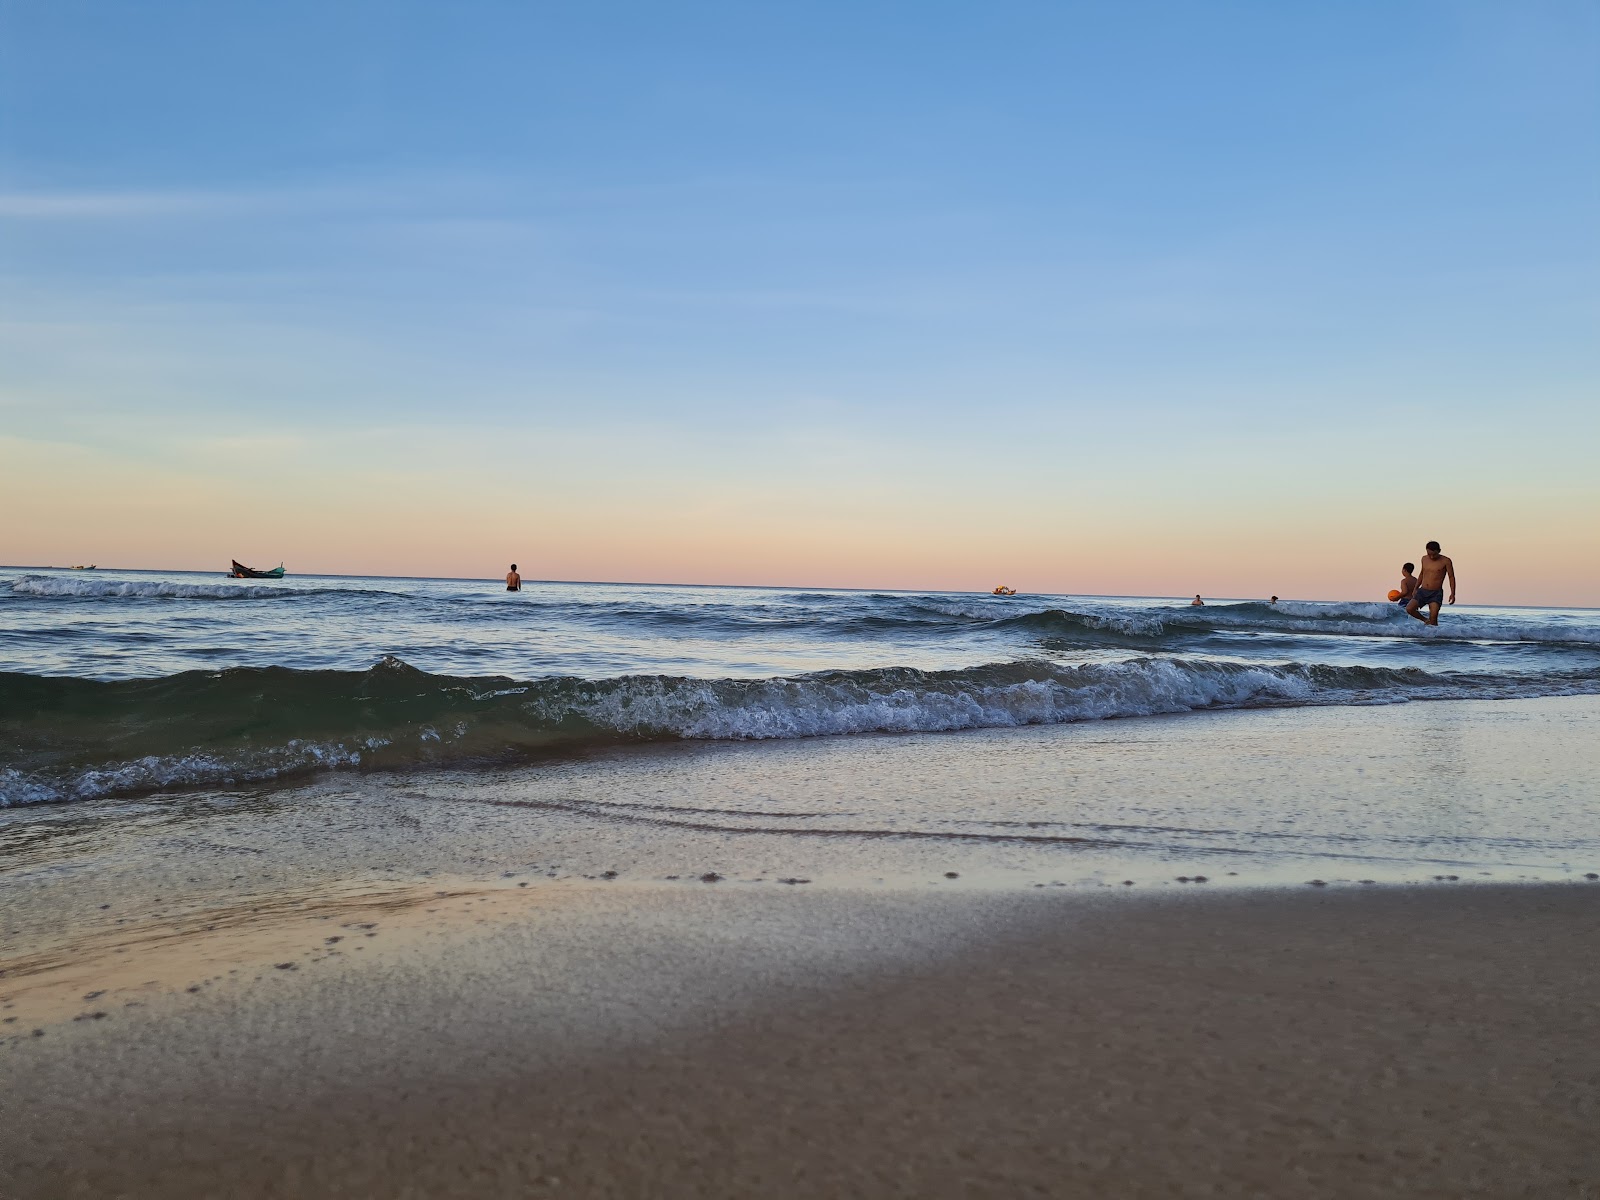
(513, 580)
(1408, 585)
(1274, 600)
(1436, 568)
(1197, 602)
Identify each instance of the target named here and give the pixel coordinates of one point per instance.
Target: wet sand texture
(1305, 1044)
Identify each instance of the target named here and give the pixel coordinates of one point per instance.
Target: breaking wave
(72, 738)
(1335, 620)
(152, 589)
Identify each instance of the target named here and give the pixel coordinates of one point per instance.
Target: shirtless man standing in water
(1436, 568)
(513, 580)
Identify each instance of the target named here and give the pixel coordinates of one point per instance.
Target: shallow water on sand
(1448, 792)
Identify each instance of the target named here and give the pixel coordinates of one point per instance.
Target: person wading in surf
(1408, 584)
(513, 580)
(1436, 568)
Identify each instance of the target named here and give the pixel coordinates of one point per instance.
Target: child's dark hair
(1409, 567)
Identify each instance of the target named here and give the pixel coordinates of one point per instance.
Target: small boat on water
(240, 571)
(90, 567)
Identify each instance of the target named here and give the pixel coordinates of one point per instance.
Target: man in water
(1197, 602)
(513, 580)
(1408, 584)
(1436, 568)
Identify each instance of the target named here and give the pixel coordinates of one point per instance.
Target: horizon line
(785, 587)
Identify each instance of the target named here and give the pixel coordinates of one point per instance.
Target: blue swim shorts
(1427, 596)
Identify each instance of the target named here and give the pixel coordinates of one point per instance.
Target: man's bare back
(1432, 572)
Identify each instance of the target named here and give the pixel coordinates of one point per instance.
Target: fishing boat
(240, 571)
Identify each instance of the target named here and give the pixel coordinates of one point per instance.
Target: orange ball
(1394, 594)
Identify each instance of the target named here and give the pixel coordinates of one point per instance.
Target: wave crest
(1360, 620)
(77, 738)
(83, 588)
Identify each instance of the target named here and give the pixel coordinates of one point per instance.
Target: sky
(1116, 298)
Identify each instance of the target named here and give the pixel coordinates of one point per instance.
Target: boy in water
(1436, 568)
(513, 580)
(1408, 584)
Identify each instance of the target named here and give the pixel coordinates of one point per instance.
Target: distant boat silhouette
(240, 571)
(90, 567)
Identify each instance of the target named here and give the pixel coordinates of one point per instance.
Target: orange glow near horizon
(370, 523)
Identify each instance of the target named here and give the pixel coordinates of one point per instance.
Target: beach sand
(426, 986)
(635, 1042)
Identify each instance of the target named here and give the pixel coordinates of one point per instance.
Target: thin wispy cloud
(96, 206)
(111, 204)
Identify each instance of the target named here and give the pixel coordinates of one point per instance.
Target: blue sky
(761, 292)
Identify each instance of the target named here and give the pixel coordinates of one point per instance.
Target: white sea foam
(161, 772)
(17, 789)
(1369, 620)
(1358, 619)
(1326, 609)
(54, 585)
(1350, 618)
(906, 702)
(977, 608)
(998, 608)
(1131, 623)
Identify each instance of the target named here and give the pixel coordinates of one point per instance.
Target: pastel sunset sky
(1139, 298)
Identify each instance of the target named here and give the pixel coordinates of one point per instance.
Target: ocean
(120, 683)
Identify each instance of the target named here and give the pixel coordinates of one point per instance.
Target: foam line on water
(73, 738)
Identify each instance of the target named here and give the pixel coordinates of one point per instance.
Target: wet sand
(620, 1040)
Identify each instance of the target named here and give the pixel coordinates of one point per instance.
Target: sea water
(123, 683)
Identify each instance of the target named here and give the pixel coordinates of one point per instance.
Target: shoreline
(1493, 789)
